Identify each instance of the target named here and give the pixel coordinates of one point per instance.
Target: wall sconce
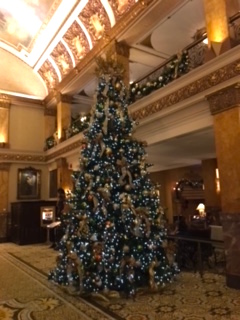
(217, 180)
(201, 210)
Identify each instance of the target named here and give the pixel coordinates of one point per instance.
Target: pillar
(64, 175)
(225, 108)
(49, 122)
(4, 195)
(216, 17)
(5, 104)
(211, 190)
(63, 114)
(119, 51)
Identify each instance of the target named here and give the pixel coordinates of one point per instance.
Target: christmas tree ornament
(113, 237)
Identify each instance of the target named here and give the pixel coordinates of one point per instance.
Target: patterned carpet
(25, 293)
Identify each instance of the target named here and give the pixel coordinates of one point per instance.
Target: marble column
(63, 115)
(64, 175)
(50, 122)
(225, 108)
(216, 17)
(121, 54)
(4, 195)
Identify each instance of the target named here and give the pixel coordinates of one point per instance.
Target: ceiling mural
(53, 36)
(22, 20)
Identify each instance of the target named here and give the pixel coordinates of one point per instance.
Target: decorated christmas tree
(114, 232)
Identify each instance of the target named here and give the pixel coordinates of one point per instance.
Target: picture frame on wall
(29, 183)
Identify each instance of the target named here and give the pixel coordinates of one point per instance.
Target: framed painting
(29, 183)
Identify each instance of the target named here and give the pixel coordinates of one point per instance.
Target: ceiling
(46, 41)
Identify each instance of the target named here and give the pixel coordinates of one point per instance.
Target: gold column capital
(224, 99)
(5, 101)
(50, 112)
(121, 49)
(62, 97)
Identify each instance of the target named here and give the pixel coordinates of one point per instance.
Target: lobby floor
(26, 293)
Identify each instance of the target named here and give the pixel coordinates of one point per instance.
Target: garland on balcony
(177, 67)
(194, 184)
(78, 125)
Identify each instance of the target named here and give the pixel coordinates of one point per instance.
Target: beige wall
(13, 180)
(26, 128)
(26, 135)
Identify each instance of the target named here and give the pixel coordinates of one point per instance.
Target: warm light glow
(24, 21)
(201, 209)
(59, 133)
(216, 20)
(77, 44)
(122, 5)
(217, 180)
(96, 22)
(2, 138)
(205, 41)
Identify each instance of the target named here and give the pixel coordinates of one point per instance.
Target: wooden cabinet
(26, 222)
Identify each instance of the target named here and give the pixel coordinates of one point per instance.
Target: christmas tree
(114, 232)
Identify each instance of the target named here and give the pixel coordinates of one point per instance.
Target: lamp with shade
(201, 210)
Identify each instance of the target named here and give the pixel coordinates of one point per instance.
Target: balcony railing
(179, 64)
(191, 57)
(78, 125)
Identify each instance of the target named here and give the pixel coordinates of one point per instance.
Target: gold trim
(22, 157)
(68, 148)
(224, 99)
(5, 102)
(219, 76)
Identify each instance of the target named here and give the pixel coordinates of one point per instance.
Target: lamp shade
(200, 207)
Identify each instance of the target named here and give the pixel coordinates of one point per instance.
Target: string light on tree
(114, 233)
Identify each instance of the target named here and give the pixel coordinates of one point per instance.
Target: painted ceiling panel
(95, 19)
(53, 36)
(21, 21)
(77, 41)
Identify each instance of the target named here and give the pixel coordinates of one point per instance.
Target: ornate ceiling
(53, 36)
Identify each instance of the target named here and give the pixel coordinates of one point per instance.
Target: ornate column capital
(62, 97)
(5, 101)
(121, 49)
(224, 99)
(50, 112)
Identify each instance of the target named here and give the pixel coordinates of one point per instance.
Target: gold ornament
(108, 151)
(118, 86)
